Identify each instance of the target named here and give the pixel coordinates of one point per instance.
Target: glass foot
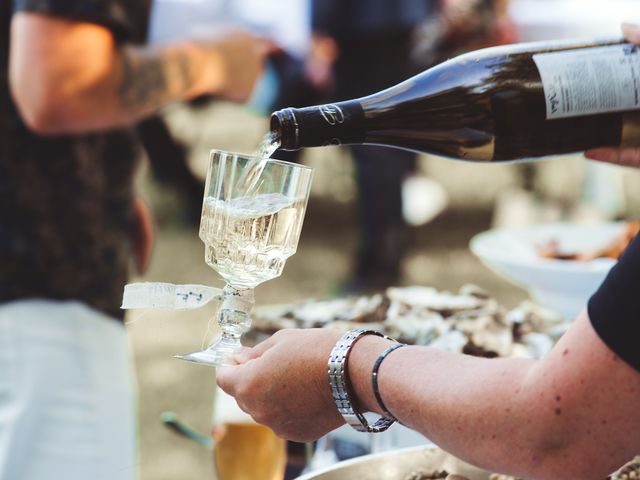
(210, 358)
(219, 354)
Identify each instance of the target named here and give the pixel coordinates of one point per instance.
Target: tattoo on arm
(151, 78)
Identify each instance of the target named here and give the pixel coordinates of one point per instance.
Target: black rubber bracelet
(374, 378)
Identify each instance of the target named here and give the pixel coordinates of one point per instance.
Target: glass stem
(234, 316)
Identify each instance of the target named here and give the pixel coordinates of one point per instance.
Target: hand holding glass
(251, 223)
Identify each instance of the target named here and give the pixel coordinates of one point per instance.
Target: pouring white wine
(494, 105)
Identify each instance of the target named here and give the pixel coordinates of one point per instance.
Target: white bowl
(560, 285)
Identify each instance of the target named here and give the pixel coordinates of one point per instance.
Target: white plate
(561, 285)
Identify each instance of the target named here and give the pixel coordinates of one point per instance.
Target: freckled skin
(459, 402)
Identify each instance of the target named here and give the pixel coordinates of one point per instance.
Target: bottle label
(590, 80)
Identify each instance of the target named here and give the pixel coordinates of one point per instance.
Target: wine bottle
(498, 104)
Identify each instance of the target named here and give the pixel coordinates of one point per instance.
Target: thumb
(226, 378)
(243, 354)
(629, 157)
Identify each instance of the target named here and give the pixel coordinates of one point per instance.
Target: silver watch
(338, 381)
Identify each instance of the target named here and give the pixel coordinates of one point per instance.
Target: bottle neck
(321, 125)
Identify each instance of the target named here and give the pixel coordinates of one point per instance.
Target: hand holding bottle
(621, 156)
(501, 104)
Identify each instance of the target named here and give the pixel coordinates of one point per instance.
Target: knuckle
(245, 390)
(280, 334)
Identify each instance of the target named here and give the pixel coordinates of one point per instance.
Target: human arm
(70, 76)
(537, 419)
(572, 414)
(534, 419)
(621, 156)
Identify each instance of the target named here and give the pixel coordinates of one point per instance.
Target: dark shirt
(66, 213)
(367, 18)
(375, 39)
(614, 309)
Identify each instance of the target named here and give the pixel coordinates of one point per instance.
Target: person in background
(572, 414)
(75, 78)
(372, 45)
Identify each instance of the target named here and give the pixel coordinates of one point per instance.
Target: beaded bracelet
(374, 379)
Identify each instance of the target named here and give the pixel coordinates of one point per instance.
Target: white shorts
(67, 395)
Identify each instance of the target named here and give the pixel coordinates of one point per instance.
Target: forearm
(71, 77)
(466, 405)
(571, 415)
(145, 79)
(535, 419)
(134, 82)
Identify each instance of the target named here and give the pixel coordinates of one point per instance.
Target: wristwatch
(338, 381)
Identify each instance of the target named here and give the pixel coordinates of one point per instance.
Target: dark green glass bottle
(499, 104)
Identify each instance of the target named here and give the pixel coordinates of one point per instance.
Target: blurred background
(443, 203)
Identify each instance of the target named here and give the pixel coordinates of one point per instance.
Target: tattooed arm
(71, 77)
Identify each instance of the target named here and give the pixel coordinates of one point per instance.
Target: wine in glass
(250, 226)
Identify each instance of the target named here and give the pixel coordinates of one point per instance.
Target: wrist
(361, 361)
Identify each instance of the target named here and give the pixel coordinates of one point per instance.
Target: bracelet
(374, 379)
(337, 370)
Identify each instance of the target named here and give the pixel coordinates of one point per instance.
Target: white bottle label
(590, 81)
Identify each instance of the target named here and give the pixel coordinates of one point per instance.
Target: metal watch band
(337, 370)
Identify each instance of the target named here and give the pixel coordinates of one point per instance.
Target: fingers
(228, 377)
(629, 157)
(243, 355)
(609, 155)
(631, 32)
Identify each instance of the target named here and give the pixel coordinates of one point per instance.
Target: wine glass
(252, 215)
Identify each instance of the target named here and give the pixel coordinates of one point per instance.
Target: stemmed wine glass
(252, 215)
